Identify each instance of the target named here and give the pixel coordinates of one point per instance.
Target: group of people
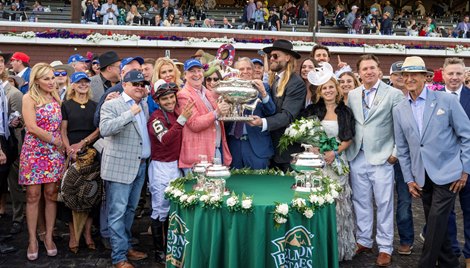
(149, 121)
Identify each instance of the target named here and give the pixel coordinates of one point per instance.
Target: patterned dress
(41, 162)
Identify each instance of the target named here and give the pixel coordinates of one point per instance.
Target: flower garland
(318, 197)
(97, 37)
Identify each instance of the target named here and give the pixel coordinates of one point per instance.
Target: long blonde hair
(37, 72)
(158, 65)
(281, 87)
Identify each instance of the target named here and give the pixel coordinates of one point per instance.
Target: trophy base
(236, 118)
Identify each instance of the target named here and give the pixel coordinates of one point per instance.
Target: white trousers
(160, 176)
(368, 179)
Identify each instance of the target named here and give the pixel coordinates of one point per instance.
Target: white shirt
(458, 91)
(142, 123)
(109, 15)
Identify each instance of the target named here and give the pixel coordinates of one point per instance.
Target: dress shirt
(142, 123)
(417, 106)
(20, 74)
(458, 91)
(371, 93)
(109, 15)
(218, 134)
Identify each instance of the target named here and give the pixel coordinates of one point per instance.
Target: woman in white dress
(338, 121)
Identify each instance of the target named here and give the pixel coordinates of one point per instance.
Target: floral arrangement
(97, 37)
(399, 47)
(310, 131)
(234, 204)
(211, 200)
(320, 196)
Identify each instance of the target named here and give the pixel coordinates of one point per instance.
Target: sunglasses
(63, 73)
(210, 79)
(138, 84)
(95, 62)
(273, 56)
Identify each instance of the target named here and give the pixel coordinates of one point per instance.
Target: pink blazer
(199, 132)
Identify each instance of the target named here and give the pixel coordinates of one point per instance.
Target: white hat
(320, 75)
(414, 64)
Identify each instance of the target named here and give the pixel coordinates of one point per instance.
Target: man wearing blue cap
(123, 125)
(127, 64)
(78, 62)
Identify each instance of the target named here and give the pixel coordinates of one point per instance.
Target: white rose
(183, 198)
(168, 189)
(214, 198)
(191, 198)
(232, 201)
(334, 193)
(247, 203)
(313, 198)
(308, 213)
(204, 198)
(321, 200)
(329, 198)
(177, 193)
(293, 133)
(280, 220)
(299, 202)
(282, 209)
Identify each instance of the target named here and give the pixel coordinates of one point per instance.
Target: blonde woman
(166, 69)
(42, 154)
(133, 15)
(78, 131)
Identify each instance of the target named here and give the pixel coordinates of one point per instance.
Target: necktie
(3, 100)
(275, 83)
(454, 93)
(238, 131)
(366, 95)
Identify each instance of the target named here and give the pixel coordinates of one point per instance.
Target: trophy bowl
(238, 93)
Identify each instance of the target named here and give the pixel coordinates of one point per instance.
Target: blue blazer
(442, 149)
(465, 100)
(260, 142)
(25, 77)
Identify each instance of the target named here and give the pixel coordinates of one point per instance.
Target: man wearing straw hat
(432, 135)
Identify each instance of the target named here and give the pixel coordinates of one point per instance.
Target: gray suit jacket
(376, 132)
(121, 157)
(97, 88)
(443, 149)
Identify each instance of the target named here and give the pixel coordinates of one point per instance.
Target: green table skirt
(206, 237)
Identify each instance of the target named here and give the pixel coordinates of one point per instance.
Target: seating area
(61, 13)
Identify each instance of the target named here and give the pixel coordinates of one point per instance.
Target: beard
(278, 66)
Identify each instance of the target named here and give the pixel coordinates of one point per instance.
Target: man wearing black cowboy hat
(288, 92)
(109, 74)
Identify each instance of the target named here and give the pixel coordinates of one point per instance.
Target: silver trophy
(242, 95)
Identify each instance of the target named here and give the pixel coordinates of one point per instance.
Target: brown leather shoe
(384, 259)
(360, 248)
(404, 249)
(123, 264)
(135, 255)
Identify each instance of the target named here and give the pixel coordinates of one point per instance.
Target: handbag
(81, 186)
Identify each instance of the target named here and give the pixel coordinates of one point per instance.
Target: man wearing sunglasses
(453, 74)
(123, 125)
(288, 93)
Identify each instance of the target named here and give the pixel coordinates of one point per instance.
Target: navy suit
(464, 195)
(255, 148)
(25, 77)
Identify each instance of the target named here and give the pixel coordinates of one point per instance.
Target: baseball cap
(396, 67)
(20, 56)
(255, 60)
(192, 63)
(354, 7)
(75, 77)
(372, 9)
(128, 60)
(77, 58)
(135, 76)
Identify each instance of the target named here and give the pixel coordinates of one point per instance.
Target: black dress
(79, 126)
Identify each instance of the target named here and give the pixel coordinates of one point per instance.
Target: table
(207, 237)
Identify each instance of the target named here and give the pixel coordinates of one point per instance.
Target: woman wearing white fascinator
(338, 121)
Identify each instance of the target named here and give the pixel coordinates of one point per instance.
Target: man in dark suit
(166, 10)
(288, 92)
(249, 146)
(454, 76)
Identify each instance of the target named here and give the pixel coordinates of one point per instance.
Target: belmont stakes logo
(294, 249)
(177, 242)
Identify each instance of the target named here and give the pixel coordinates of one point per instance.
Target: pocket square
(440, 112)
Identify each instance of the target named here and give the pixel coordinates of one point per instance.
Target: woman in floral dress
(338, 121)
(42, 154)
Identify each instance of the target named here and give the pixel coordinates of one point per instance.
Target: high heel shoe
(51, 252)
(34, 255)
(74, 250)
(91, 246)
